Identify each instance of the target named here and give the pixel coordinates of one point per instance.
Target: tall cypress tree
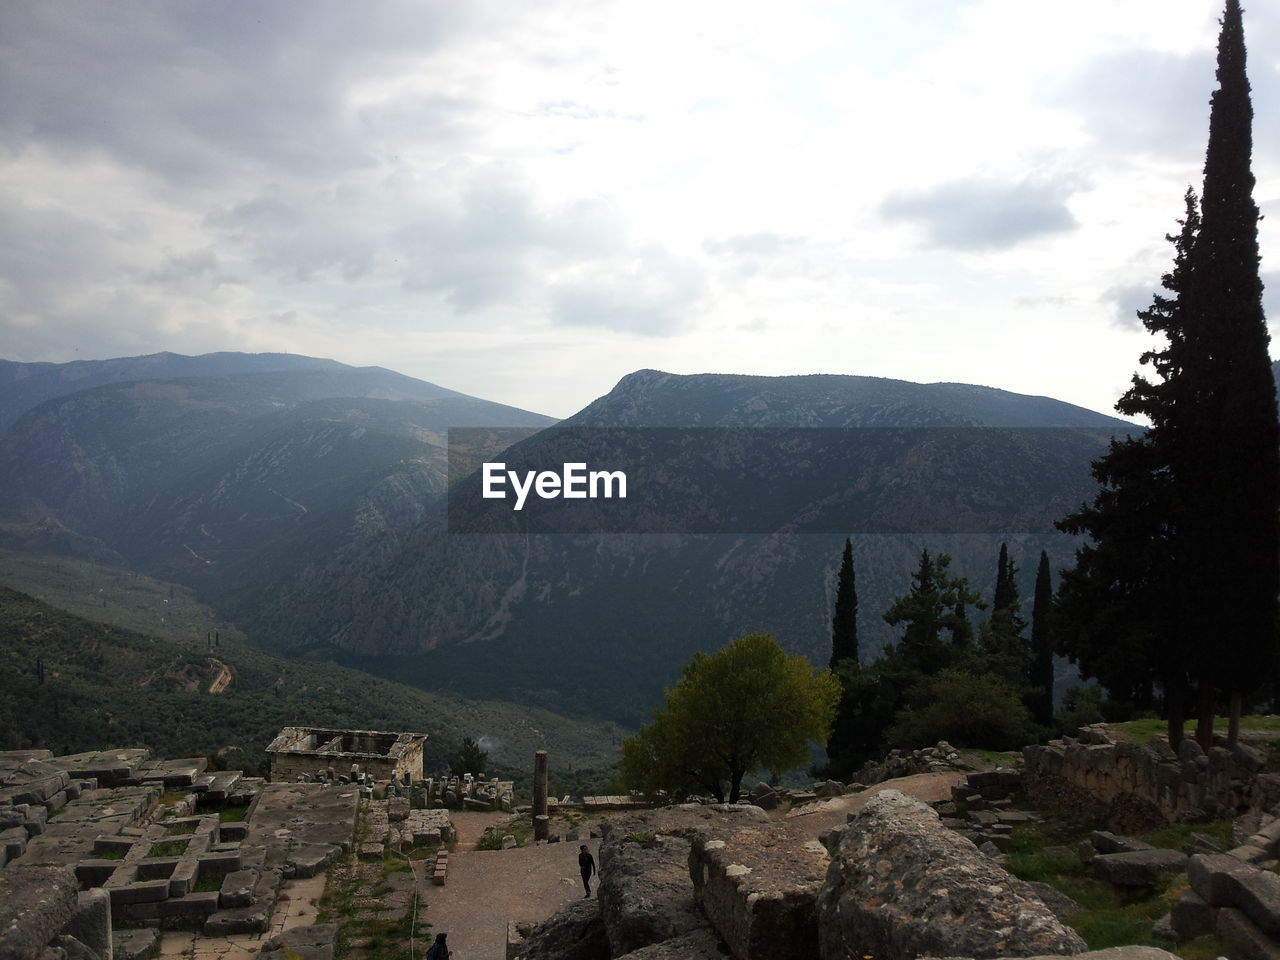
(1229, 474)
(1042, 645)
(1006, 594)
(844, 623)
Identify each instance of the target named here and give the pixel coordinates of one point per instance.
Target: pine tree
(936, 602)
(1042, 646)
(844, 623)
(1006, 593)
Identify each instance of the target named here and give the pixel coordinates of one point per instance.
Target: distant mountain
(600, 623)
(27, 385)
(233, 483)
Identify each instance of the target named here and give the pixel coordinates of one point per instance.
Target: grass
(172, 798)
(1107, 917)
(182, 829)
(208, 883)
(233, 814)
(519, 827)
(1179, 835)
(168, 848)
(1141, 731)
(113, 853)
(1203, 948)
(986, 759)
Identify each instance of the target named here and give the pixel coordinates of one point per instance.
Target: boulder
(1247, 941)
(1139, 868)
(575, 932)
(903, 886)
(1053, 898)
(142, 944)
(1104, 841)
(313, 942)
(1224, 881)
(1190, 916)
(698, 945)
(646, 895)
(35, 904)
(91, 924)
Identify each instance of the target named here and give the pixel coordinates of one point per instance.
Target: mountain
(27, 385)
(233, 483)
(599, 623)
(133, 665)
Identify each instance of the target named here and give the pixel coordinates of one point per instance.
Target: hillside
(136, 667)
(233, 483)
(599, 623)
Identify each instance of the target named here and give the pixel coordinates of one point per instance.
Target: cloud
(753, 244)
(985, 214)
(1127, 299)
(653, 294)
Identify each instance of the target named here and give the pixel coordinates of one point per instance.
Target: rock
(1139, 868)
(35, 904)
(1201, 843)
(699, 945)
(73, 949)
(372, 851)
(575, 932)
(1190, 916)
(758, 887)
(509, 842)
(313, 942)
(1106, 842)
(904, 886)
(1256, 892)
(237, 889)
(1162, 929)
(646, 894)
(829, 788)
(1053, 898)
(1248, 942)
(91, 924)
(142, 944)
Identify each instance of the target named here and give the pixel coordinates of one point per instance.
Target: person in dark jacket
(587, 866)
(439, 950)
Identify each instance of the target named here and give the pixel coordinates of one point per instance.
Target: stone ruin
(308, 751)
(88, 850)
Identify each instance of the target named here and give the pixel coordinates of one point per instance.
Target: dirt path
(470, 826)
(486, 888)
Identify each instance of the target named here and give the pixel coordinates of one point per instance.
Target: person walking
(439, 950)
(587, 866)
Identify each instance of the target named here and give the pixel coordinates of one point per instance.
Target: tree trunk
(1175, 705)
(735, 786)
(1204, 723)
(1233, 722)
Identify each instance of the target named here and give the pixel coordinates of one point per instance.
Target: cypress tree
(1042, 645)
(1229, 474)
(1006, 594)
(844, 624)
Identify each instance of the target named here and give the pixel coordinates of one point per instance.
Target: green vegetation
(1147, 728)
(106, 686)
(748, 706)
(1179, 835)
(235, 814)
(168, 848)
(519, 827)
(468, 758)
(208, 882)
(182, 829)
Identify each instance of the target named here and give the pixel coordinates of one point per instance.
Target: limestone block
(1248, 941)
(14, 842)
(35, 904)
(91, 923)
(699, 945)
(1105, 841)
(1190, 916)
(237, 889)
(73, 949)
(646, 894)
(315, 942)
(1139, 868)
(575, 932)
(143, 944)
(903, 885)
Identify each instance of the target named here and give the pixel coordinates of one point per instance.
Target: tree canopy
(748, 706)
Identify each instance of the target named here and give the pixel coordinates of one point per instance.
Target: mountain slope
(135, 668)
(600, 623)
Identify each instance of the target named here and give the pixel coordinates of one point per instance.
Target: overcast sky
(527, 200)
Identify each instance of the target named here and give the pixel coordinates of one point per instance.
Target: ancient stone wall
(1135, 787)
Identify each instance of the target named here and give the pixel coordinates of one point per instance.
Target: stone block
(903, 885)
(143, 944)
(14, 842)
(1247, 941)
(398, 809)
(194, 906)
(237, 889)
(1139, 868)
(1104, 841)
(35, 904)
(145, 891)
(315, 942)
(1190, 916)
(372, 851)
(698, 945)
(646, 894)
(91, 923)
(575, 932)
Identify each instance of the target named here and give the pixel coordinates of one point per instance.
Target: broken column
(541, 823)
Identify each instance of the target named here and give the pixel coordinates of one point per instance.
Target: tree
(1042, 646)
(1002, 649)
(844, 624)
(965, 709)
(935, 602)
(748, 706)
(469, 758)
(1180, 582)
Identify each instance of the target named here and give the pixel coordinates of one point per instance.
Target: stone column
(541, 824)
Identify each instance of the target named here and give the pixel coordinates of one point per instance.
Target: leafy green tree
(1041, 702)
(746, 707)
(468, 758)
(966, 709)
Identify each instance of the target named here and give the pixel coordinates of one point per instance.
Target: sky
(527, 201)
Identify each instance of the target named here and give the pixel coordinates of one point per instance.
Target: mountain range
(307, 501)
